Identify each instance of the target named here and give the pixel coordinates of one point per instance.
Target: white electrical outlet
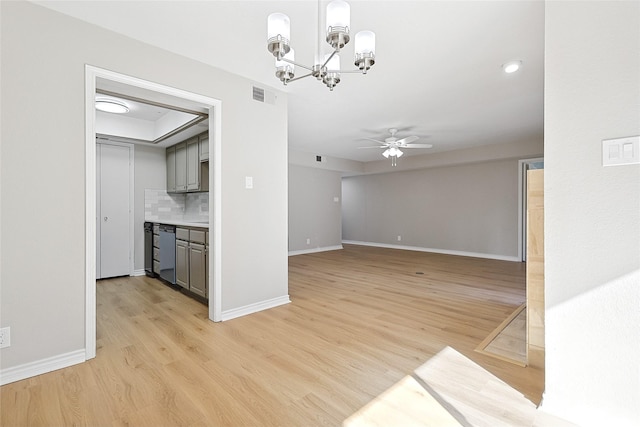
(308, 241)
(5, 337)
(399, 238)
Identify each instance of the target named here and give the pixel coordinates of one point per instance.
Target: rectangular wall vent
(258, 94)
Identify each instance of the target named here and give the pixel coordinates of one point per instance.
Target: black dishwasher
(168, 253)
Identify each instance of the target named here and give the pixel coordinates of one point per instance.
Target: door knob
(106, 218)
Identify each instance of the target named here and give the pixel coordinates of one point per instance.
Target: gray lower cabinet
(197, 269)
(182, 263)
(191, 260)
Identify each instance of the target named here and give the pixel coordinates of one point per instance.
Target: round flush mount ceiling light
(511, 67)
(111, 106)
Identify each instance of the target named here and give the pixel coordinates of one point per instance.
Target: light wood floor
(509, 340)
(361, 320)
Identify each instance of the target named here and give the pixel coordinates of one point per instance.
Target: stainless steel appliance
(148, 249)
(168, 253)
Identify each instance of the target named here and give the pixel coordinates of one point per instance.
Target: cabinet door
(193, 164)
(204, 147)
(181, 167)
(197, 269)
(171, 169)
(182, 263)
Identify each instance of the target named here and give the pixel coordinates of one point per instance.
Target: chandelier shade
(332, 71)
(365, 46)
(365, 42)
(285, 67)
(338, 14)
(278, 34)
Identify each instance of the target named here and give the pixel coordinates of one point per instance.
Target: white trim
(433, 250)
(215, 213)
(521, 196)
(90, 213)
(315, 250)
(43, 366)
(254, 308)
(139, 272)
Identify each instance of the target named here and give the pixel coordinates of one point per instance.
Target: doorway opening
(95, 79)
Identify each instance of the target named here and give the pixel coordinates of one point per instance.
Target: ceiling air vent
(258, 94)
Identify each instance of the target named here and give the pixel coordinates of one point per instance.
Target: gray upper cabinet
(204, 147)
(181, 167)
(186, 171)
(171, 169)
(193, 164)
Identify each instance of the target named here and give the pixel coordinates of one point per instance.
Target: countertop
(180, 223)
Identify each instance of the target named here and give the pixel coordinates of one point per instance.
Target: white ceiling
(437, 73)
(153, 118)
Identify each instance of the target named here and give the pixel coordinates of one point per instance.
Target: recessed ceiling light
(111, 106)
(511, 67)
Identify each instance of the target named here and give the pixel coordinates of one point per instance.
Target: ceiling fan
(392, 145)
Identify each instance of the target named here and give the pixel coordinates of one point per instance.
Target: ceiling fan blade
(418, 146)
(374, 140)
(375, 146)
(407, 140)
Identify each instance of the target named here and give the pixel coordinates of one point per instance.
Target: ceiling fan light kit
(328, 71)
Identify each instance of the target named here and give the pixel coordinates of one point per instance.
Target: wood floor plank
(360, 321)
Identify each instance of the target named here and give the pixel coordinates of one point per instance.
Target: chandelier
(326, 69)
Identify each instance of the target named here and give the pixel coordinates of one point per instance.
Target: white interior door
(113, 252)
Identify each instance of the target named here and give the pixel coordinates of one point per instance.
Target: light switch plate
(621, 151)
(248, 182)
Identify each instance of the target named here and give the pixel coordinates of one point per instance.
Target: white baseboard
(138, 272)
(436, 251)
(40, 367)
(254, 308)
(315, 250)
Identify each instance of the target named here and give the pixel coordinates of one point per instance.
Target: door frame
(132, 206)
(214, 106)
(522, 208)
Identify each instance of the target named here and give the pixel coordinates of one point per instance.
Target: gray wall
(470, 208)
(43, 175)
(592, 213)
(150, 172)
(313, 213)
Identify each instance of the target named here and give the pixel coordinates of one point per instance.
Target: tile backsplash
(196, 206)
(159, 205)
